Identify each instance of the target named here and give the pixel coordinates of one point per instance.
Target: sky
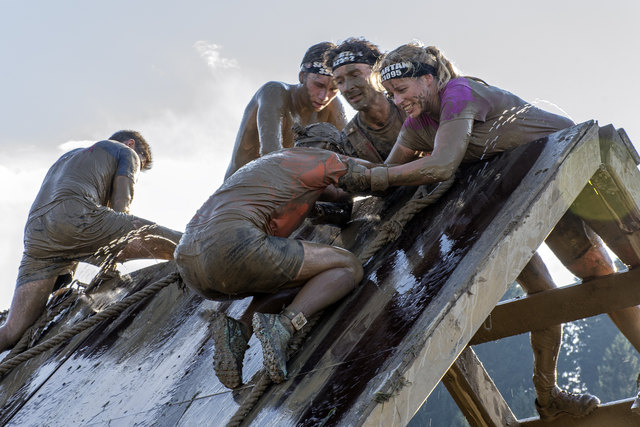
(181, 73)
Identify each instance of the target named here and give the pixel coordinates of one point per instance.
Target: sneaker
(230, 346)
(274, 337)
(564, 403)
(635, 407)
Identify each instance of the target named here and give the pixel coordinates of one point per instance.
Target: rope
(392, 229)
(389, 231)
(110, 312)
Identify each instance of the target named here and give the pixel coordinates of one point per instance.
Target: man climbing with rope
(237, 245)
(83, 207)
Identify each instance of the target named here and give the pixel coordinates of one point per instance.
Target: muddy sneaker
(230, 346)
(563, 403)
(274, 337)
(635, 407)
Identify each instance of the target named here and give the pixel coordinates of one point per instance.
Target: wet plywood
(372, 359)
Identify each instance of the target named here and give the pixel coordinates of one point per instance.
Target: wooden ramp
(374, 358)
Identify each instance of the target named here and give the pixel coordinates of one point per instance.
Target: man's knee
(356, 268)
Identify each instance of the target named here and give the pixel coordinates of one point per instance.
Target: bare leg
(330, 272)
(29, 301)
(593, 262)
(158, 242)
(545, 343)
(551, 401)
(266, 303)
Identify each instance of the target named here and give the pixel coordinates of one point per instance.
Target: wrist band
(379, 178)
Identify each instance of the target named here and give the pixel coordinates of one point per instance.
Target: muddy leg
(584, 254)
(29, 301)
(545, 343)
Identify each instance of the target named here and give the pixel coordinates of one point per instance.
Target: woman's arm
(450, 146)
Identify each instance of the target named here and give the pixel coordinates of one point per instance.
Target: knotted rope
(113, 311)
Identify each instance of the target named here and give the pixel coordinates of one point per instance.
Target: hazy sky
(73, 72)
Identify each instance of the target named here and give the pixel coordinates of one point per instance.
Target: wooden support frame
(593, 297)
(475, 393)
(477, 285)
(613, 414)
(610, 203)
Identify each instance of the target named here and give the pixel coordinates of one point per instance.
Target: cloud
(211, 54)
(70, 145)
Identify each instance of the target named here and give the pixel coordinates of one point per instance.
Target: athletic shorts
(237, 258)
(71, 231)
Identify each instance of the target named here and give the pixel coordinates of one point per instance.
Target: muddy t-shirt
(273, 193)
(501, 120)
(87, 174)
(362, 138)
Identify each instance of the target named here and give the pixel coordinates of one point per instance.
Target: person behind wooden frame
(459, 119)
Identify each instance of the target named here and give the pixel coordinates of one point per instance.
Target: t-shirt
(86, 174)
(274, 193)
(501, 120)
(362, 139)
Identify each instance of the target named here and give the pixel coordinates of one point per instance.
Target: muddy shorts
(71, 231)
(237, 258)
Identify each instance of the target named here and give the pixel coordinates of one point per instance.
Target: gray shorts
(69, 232)
(237, 259)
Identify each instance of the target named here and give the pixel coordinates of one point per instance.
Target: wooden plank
(481, 278)
(561, 305)
(627, 142)
(609, 203)
(476, 394)
(613, 414)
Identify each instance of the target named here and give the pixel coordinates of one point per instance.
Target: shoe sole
(276, 373)
(554, 417)
(224, 362)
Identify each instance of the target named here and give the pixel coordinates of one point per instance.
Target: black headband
(406, 69)
(315, 67)
(350, 57)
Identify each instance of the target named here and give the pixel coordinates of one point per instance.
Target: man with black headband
(237, 245)
(373, 130)
(276, 106)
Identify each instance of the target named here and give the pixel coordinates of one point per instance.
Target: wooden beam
(612, 414)
(544, 309)
(627, 142)
(609, 203)
(475, 393)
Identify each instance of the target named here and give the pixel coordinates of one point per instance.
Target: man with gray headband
(374, 128)
(238, 245)
(276, 106)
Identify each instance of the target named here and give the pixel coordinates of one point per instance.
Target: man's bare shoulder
(273, 89)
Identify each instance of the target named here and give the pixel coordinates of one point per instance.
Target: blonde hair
(417, 53)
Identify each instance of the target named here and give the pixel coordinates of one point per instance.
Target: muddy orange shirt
(274, 193)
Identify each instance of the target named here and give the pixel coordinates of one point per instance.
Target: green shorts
(237, 259)
(71, 231)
